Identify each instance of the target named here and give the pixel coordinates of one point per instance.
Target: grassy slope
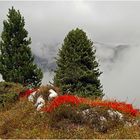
(22, 121)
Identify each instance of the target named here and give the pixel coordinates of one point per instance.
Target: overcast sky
(110, 23)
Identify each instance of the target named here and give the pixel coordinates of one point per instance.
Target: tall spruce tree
(77, 69)
(16, 59)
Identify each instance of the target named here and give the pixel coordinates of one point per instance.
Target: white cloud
(123, 81)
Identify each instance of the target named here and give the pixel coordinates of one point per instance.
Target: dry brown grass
(20, 120)
(23, 121)
(44, 91)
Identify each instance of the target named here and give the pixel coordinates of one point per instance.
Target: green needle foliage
(16, 59)
(77, 69)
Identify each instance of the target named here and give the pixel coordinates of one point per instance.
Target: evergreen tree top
(14, 28)
(77, 36)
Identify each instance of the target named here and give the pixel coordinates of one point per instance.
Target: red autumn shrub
(64, 99)
(120, 106)
(26, 93)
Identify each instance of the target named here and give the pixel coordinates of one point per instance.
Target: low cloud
(122, 81)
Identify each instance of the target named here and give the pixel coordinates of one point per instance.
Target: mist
(123, 80)
(112, 26)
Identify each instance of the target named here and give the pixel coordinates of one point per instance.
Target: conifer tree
(16, 59)
(77, 69)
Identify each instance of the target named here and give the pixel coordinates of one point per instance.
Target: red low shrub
(74, 100)
(26, 93)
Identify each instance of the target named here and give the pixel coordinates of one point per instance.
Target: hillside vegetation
(19, 119)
